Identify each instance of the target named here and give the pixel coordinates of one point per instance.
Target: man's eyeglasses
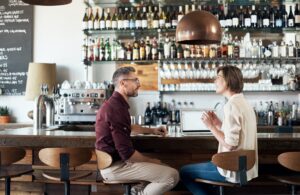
(135, 80)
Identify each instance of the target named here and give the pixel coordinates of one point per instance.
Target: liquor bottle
(120, 19)
(167, 48)
(154, 114)
(165, 114)
(121, 52)
(114, 21)
(283, 49)
(174, 18)
(253, 17)
(259, 18)
(222, 18)
(129, 52)
(187, 52)
(284, 16)
(147, 115)
(168, 23)
(150, 15)
(135, 50)
(144, 19)
(229, 19)
(126, 19)
(96, 21)
(154, 49)
(162, 18)
(275, 50)
(155, 21)
(148, 49)
(107, 50)
(91, 50)
(236, 48)
(247, 19)
(177, 113)
(272, 18)
(235, 18)
(297, 16)
(97, 50)
(91, 20)
(278, 19)
(179, 51)
(102, 20)
(266, 19)
(132, 18)
(114, 46)
(173, 50)
(138, 21)
(291, 18)
(160, 50)
(142, 51)
(230, 47)
(291, 49)
(297, 49)
(102, 50)
(180, 14)
(159, 113)
(85, 25)
(241, 18)
(108, 20)
(173, 112)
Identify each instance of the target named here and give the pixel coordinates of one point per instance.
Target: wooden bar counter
(173, 150)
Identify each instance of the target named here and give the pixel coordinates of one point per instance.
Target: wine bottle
(297, 16)
(114, 21)
(107, 50)
(138, 21)
(235, 18)
(162, 19)
(266, 19)
(85, 20)
(229, 20)
(129, 52)
(168, 23)
(142, 49)
(180, 14)
(167, 48)
(291, 18)
(147, 115)
(278, 19)
(96, 21)
(102, 50)
(284, 16)
(222, 18)
(241, 17)
(135, 50)
(154, 49)
(155, 22)
(126, 19)
(174, 18)
(272, 18)
(108, 20)
(173, 49)
(132, 18)
(259, 18)
(253, 17)
(91, 20)
(102, 20)
(144, 19)
(148, 49)
(247, 19)
(120, 19)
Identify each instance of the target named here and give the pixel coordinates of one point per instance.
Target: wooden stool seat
(239, 161)
(73, 175)
(8, 156)
(217, 183)
(65, 159)
(291, 161)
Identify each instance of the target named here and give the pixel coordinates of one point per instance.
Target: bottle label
(120, 24)
(132, 24)
(283, 51)
(155, 24)
(144, 23)
(229, 22)
(108, 24)
(97, 24)
(278, 23)
(138, 24)
(247, 22)
(253, 19)
(135, 55)
(91, 25)
(291, 51)
(114, 24)
(266, 22)
(235, 22)
(102, 24)
(126, 24)
(297, 19)
(168, 25)
(161, 23)
(290, 23)
(223, 23)
(174, 23)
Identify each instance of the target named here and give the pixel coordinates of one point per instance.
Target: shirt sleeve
(121, 136)
(232, 126)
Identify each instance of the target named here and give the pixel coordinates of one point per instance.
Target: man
(113, 131)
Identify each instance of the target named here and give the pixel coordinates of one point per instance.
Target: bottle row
(154, 17)
(279, 113)
(98, 49)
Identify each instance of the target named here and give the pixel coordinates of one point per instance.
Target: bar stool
(8, 156)
(240, 161)
(104, 160)
(64, 159)
(291, 161)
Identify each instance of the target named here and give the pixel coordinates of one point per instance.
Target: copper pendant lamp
(47, 2)
(198, 27)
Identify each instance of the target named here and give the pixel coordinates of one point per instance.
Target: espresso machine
(79, 103)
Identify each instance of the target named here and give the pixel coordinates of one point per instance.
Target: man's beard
(133, 93)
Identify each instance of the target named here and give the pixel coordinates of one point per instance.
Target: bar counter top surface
(27, 137)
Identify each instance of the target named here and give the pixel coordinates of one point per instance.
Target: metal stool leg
(221, 190)
(293, 190)
(67, 187)
(127, 189)
(7, 186)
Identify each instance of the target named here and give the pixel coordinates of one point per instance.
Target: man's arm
(137, 129)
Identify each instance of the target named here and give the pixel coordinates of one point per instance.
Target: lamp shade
(38, 74)
(47, 2)
(198, 27)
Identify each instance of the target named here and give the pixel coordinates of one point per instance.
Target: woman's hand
(215, 120)
(207, 120)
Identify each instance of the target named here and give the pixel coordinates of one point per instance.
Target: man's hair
(233, 77)
(123, 71)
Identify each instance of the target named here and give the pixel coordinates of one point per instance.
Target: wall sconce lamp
(199, 27)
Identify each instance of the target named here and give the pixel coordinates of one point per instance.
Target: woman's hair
(233, 77)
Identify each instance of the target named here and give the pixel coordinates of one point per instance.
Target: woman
(237, 131)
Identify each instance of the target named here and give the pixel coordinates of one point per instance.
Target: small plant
(4, 111)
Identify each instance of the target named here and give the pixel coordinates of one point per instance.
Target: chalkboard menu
(16, 26)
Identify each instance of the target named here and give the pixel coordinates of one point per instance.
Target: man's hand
(160, 131)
